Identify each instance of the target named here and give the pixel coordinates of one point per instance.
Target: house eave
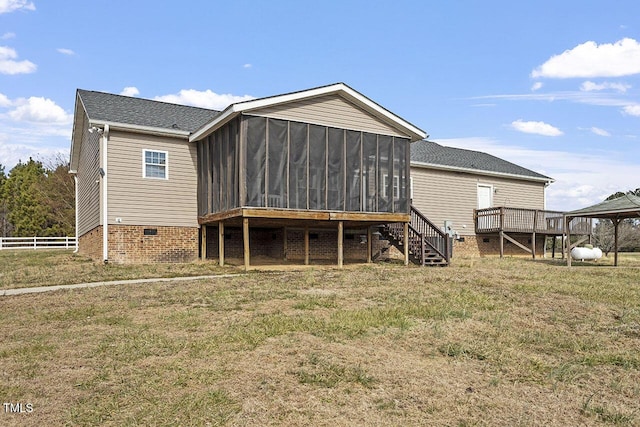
(341, 89)
(149, 130)
(424, 165)
(76, 136)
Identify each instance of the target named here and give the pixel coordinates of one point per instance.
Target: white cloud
(9, 66)
(247, 66)
(632, 110)
(4, 101)
(589, 59)
(65, 51)
(7, 6)
(7, 36)
(39, 110)
(42, 128)
(604, 99)
(203, 99)
(536, 86)
(589, 86)
(130, 91)
(599, 132)
(13, 153)
(581, 179)
(538, 128)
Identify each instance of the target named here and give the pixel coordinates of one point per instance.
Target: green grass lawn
(484, 342)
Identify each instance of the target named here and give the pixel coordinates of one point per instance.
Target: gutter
(75, 181)
(545, 180)
(140, 129)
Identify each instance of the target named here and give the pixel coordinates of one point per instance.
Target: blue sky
(551, 85)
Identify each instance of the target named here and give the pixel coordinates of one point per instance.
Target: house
(451, 185)
(317, 175)
(298, 175)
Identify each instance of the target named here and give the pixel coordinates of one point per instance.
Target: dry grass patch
(31, 268)
(485, 342)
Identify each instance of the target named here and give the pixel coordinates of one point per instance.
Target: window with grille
(154, 164)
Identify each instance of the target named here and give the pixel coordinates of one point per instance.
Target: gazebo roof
(626, 206)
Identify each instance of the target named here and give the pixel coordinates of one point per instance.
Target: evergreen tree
(22, 192)
(58, 195)
(4, 221)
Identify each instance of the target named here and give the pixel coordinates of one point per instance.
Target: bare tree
(628, 235)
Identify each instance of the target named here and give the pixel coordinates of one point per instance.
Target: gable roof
(340, 89)
(134, 114)
(102, 108)
(428, 154)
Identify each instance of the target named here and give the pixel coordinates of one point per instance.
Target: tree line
(37, 199)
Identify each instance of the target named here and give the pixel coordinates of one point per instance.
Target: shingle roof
(625, 206)
(107, 107)
(430, 153)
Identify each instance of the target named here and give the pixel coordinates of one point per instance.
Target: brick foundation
(323, 244)
(90, 244)
(489, 245)
(128, 244)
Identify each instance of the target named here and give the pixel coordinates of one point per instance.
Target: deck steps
(428, 245)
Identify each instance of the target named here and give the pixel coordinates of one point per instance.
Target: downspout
(105, 213)
(75, 181)
(544, 195)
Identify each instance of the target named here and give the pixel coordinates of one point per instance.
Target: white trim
(144, 164)
(480, 172)
(394, 187)
(491, 190)
(105, 211)
(141, 129)
(340, 88)
(75, 182)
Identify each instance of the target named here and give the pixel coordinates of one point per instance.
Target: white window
(396, 186)
(154, 164)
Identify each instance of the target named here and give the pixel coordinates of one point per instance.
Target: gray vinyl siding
(452, 196)
(148, 201)
(330, 110)
(88, 182)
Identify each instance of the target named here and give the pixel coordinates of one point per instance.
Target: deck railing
(520, 220)
(424, 238)
(38, 243)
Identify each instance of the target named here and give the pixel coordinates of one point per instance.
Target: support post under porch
(306, 246)
(203, 242)
(369, 245)
(340, 244)
(221, 243)
(284, 244)
(245, 237)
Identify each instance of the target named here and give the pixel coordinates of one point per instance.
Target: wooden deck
(505, 221)
(519, 220)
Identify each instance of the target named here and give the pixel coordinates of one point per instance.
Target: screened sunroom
(325, 163)
(261, 162)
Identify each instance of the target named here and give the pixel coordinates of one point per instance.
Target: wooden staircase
(428, 245)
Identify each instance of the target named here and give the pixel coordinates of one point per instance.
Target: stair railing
(434, 238)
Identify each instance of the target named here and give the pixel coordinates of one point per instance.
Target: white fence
(38, 243)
